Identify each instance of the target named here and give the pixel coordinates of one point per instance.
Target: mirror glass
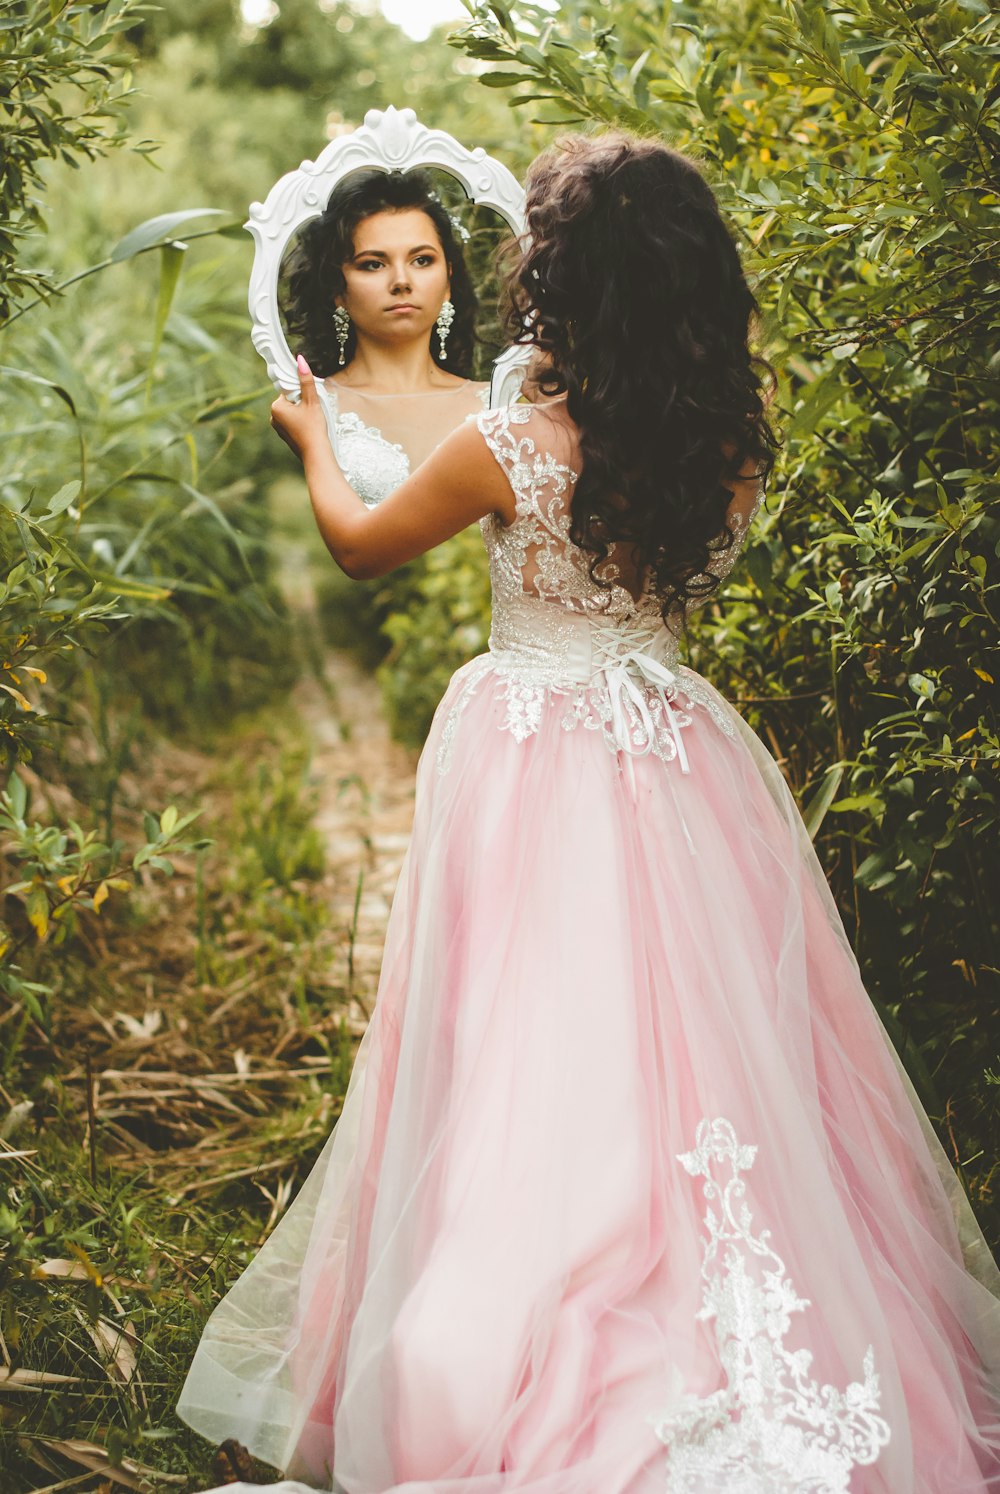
(479, 233)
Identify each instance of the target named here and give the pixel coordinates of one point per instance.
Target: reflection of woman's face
(398, 279)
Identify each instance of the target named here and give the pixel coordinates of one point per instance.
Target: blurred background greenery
(159, 844)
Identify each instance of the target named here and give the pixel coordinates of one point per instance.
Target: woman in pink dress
(630, 1193)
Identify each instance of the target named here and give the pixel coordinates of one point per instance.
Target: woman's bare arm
(457, 484)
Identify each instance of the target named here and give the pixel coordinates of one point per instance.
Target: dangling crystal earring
(341, 325)
(445, 318)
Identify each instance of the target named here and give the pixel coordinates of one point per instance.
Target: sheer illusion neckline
(381, 438)
(415, 394)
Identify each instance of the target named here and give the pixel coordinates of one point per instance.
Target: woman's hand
(300, 426)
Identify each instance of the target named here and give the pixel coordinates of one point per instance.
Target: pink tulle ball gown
(630, 1193)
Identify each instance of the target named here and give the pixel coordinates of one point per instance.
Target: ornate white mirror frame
(394, 140)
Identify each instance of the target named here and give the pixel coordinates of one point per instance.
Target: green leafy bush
(439, 618)
(64, 96)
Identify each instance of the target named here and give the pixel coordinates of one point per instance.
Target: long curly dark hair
(632, 286)
(312, 275)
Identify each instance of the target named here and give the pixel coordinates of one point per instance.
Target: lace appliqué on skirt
(773, 1429)
(472, 672)
(590, 706)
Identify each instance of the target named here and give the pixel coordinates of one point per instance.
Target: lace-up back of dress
(533, 558)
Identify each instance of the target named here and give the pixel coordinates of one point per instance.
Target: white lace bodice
(373, 464)
(599, 654)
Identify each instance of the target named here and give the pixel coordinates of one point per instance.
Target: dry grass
(199, 1048)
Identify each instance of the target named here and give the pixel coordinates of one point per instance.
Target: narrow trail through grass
(364, 780)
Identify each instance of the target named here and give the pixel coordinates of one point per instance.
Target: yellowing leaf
(38, 911)
(36, 674)
(22, 700)
(983, 675)
(100, 896)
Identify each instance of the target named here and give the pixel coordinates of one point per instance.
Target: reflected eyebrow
(381, 254)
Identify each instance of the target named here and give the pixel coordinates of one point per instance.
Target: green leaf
(922, 686)
(159, 230)
(503, 16)
(815, 811)
(931, 179)
(728, 143)
(171, 259)
(758, 563)
(33, 378)
(501, 79)
(18, 792)
(878, 869)
(65, 496)
(872, 802)
(236, 402)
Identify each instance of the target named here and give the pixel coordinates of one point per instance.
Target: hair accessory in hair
(457, 225)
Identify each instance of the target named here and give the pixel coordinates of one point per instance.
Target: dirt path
(365, 786)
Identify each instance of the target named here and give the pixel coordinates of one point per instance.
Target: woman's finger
(307, 383)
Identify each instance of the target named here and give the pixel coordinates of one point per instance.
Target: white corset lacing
(623, 660)
(616, 668)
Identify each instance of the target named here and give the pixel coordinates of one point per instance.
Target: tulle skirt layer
(630, 1193)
